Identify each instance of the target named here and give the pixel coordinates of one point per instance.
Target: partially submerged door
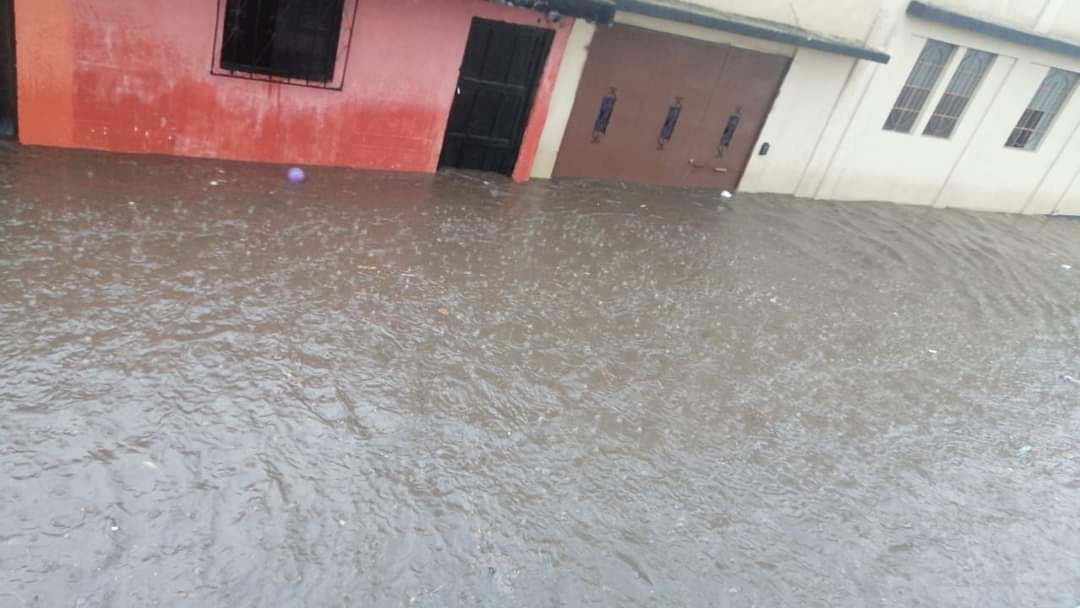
(8, 84)
(657, 108)
(499, 74)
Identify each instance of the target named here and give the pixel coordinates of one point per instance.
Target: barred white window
(920, 83)
(1044, 107)
(954, 101)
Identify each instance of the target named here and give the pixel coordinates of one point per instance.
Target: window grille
(303, 42)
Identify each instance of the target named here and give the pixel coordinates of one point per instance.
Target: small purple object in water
(296, 175)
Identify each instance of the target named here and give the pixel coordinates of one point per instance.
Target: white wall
(872, 163)
(816, 144)
(1053, 194)
(1070, 199)
(973, 169)
(799, 115)
(992, 177)
(1066, 21)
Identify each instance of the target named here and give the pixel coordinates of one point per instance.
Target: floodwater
(220, 390)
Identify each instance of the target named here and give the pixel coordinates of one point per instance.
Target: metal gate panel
(724, 142)
(635, 81)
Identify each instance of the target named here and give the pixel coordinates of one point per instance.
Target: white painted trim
(562, 98)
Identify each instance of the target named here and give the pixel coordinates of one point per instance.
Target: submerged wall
(134, 76)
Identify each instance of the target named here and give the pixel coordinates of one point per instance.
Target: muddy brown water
(217, 389)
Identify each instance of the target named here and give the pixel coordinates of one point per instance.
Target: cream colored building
(962, 103)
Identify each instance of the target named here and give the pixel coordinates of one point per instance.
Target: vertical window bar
(256, 32)
(312, 31)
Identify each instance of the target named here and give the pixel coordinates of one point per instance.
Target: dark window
(671, 120)
(294, 39)
(909, 104)
(603, 119)
(1044, 107)
(954, 101)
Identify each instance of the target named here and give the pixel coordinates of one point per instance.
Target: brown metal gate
(661, 109)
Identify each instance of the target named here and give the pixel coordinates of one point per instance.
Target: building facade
(355, 83)
(960, 103)
(952, 103)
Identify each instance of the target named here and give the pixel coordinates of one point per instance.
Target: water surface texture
(221, 390)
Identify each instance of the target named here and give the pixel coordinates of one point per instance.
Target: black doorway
(502, 66)
(8, 84)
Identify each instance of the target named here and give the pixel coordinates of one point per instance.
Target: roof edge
(754, 28)
(922, 10)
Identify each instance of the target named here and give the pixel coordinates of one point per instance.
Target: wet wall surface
(217, 389)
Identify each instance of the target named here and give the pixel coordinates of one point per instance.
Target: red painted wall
(134, 76)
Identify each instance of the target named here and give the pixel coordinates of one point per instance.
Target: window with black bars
(1036, 120)
(920, 83)
(962, 86)
(295, 41)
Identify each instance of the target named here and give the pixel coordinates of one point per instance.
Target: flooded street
(221, 390)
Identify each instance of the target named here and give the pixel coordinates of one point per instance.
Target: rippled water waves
(217, 389)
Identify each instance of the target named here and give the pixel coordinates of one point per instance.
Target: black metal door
(8, 84)
(499, 74)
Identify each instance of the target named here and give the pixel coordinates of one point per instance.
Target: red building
(377, 84)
